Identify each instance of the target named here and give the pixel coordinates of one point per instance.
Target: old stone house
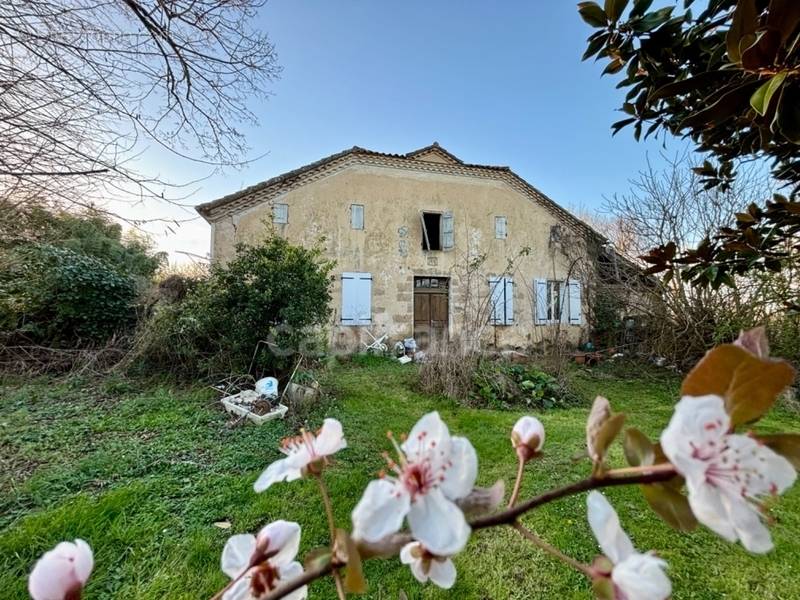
(425, 244)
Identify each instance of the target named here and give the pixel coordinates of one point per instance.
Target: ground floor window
(557, 301)
(356, 298)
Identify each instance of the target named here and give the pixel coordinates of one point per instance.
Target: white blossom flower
(433, 471)
(527, 437)
(635, 576)
(267, 560)
(301, 452)
(61, 573)
(424, 565)
(726, 474)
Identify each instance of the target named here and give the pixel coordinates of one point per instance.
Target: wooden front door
(430, 309)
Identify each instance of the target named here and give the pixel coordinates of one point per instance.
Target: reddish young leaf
(748, 384)
(671, 505)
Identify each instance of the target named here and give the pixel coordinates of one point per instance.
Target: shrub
(87, 232)
(480, 381)
(260, 308)
(57, 295)
(498, 384)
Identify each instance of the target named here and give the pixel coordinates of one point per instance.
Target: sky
(498, 83)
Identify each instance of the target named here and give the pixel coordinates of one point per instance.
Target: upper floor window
(280, 213)
(357, 216)
(437, 230)
(500, 228)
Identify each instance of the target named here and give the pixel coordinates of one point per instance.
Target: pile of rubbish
(258, 405)
(406, 352)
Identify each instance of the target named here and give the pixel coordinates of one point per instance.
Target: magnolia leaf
(593, 14)
(761, 98)
(640, 7)
(684, 86)
(785, 444)
(670, 505)
(607, 433)
(638, 448)
(745, 21)
(749, 385)
(614, 9)
(787, 117)
(784, 16)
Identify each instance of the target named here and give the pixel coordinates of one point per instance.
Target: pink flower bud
(61, 573)
(527, 437)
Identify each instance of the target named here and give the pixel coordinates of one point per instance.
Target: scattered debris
(222, 524)
(301, 393)
(267, 387)
(404, 360)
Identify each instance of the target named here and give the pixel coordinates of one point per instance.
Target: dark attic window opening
(431, 232)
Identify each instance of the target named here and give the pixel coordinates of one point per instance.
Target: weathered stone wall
(390, 245)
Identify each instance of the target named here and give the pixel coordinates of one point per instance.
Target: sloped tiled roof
(264, 191)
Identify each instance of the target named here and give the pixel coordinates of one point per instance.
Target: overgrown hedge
(54, 295)
(272, 297)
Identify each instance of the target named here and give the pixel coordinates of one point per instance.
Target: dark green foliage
(504, 385)
(607, 312)
(727, 77)
(90, 233)
(270, 297)
(57, 295)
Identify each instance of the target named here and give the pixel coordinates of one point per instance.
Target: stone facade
(483, 210)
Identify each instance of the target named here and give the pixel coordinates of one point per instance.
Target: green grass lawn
(142, 471)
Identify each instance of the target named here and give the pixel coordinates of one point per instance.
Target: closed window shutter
(280, 213)
(509, 301)
(357, 216)
(540, 294)
(356, 298)
(497, 289)
(563, 298)
(574, 302)
(448, 235)
(500, 228)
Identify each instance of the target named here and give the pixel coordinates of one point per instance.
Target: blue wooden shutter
(540, 295)
(509, 300)
(280, 213)
(497, 309)
(448, 232)
(500, 228)
(574, 302)
(357, 216)
(356, 298)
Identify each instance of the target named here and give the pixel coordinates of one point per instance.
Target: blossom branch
(506, 517)
(509, 517)
(322, 568)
